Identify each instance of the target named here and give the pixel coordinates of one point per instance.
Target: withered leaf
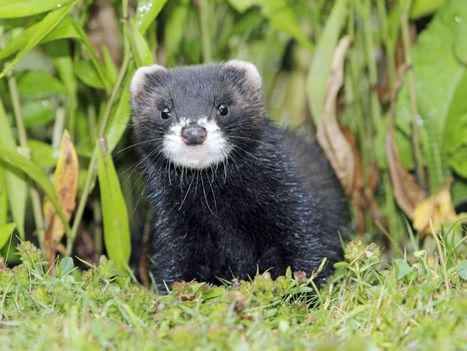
(329, 134)
(65, 182)
(438, 208)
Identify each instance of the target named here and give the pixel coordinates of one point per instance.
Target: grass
(417, 303)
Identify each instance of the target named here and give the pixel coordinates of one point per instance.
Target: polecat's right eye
(222, 110)
(166, 113)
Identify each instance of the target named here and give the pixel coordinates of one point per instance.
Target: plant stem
(442, 262)
(91, 174)
(25, 151)
(387, 42)
(412, 93)
(58, 128)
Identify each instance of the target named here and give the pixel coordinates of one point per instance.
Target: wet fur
(273, 203)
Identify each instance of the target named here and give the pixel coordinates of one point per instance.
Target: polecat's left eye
(166, 113)
(222, 110)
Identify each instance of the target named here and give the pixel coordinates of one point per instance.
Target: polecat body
(232, 194)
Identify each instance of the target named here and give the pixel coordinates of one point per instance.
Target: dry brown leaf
(438, 208)
(329, 134)
(341, 149)
(65, 182)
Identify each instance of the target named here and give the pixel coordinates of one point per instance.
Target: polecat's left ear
(140, 77)
(252, 76)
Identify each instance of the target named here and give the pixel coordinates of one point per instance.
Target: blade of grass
(21, 163)
(114, 211)
(23, 8)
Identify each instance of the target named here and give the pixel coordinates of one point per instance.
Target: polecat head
(197, 116)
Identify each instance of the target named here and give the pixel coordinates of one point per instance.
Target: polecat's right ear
(140, 77)
(252, 76)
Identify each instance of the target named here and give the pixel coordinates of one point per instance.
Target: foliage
(66, 66)
(367, 305)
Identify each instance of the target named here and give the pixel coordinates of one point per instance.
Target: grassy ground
(417, 303)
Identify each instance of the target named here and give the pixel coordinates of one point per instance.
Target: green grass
(415, 304)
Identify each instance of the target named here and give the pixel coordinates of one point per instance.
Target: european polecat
(232, 194)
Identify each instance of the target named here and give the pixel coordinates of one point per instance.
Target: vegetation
(382, 85)
(368, 305)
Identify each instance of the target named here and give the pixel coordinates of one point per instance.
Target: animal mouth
(196, 145)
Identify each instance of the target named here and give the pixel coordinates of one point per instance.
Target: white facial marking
(214, 150)
(252, 74)
(137, 82)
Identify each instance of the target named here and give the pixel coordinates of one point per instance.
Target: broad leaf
(462, 269)
(86, 72)
(422, 8)
(440, 89)
(43, 29)
(114, 211)
(37, 82)
(101, 72)
(147, 11)
(322, 59)
(120, 116)
(16, 186)
(279, 14)
(21, 163)
(402, 268)
(3, 197)
(141, 52)
(5, 232)
(63, 30)
(42, 153)
(22, 8)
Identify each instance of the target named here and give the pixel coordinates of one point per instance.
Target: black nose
(194, 135)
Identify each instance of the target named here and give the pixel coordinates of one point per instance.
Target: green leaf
(147, 11)
(21, 163)
(114, 212)
(63, 30)
(15, 185)
(109, 64)
(458, 161)
(459, 192)
(42, 154)
(322, 59)
(101, 72)
(242, 5)
(86, 72)
(455, 130)
(441, 85)
(279, 14)
(66, 265)
(462, 269)
(37, 82)
(422, 8)
(402, 268)
(5, 232)
(45, 27)
(283, 19)
(3, 197)
(174, 29)
(121, 116)
(17, 197)
(141, 52)
(22, 8)
(38, 112)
